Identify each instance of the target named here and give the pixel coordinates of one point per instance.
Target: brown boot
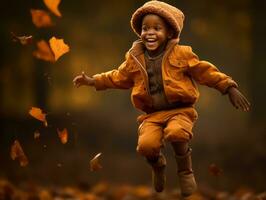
(158, 173)
(186, 177)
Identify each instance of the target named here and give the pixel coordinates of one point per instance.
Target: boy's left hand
(238, 99)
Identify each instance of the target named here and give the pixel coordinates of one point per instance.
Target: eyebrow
(157, 24)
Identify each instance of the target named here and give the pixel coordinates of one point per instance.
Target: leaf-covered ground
(107, 191)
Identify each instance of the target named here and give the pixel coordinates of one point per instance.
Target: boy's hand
(83, 79)
(238, 99)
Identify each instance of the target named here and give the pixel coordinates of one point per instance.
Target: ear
(170, 34)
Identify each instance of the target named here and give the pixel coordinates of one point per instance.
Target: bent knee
(148, 149)
(178, 135)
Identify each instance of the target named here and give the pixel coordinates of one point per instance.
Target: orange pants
(171, 125)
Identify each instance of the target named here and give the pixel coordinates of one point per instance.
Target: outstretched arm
(83, 79)
(238, 99)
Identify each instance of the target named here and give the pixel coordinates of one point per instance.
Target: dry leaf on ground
(37, 113)
(100, 188)
(53, 6)
(142, 192)
(215, 170)
(24, 40)
(195, 196)
(41, 18)
(63, 135)
(95, 163)
(58, 47)
(17, 152)
(44, 52)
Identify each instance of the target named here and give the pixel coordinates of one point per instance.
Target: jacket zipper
(163, 62)
(145, 74)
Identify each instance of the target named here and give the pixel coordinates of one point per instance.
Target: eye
(158, 28)
(144, 28)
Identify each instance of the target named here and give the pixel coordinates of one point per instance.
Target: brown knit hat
(173, 16)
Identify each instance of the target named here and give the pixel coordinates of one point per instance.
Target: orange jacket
(180, 67)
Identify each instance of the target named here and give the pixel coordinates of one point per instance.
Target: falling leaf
(44, 52)
(37, 113)
(24, 40)
(59, 165)
(49, 79)
(17, 152)
(58, 47)
(41, 18)
(63, 135)
(215, 170)
(53, 6)
(95, 163)
(37, 134)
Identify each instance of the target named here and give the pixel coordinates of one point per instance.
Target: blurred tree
(258, 63)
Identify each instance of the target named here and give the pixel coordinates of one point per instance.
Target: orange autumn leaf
(44, 52)
(41, 18)
(63, 135)
(24, 40)
(37, 113)
(95, 163)
(215, 170)
(196, 196)
(58, 47)
(17, 152)
(142, 192)
(100, 188)
(53, 6)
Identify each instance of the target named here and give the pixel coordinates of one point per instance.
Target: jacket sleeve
(117, 78)
(207, 74)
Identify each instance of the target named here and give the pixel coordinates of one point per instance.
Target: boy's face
(154, 32)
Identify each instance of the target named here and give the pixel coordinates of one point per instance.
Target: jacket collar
(138, 46)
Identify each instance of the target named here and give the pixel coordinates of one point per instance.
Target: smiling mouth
(151, 41)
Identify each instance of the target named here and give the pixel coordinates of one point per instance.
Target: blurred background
(229, 34)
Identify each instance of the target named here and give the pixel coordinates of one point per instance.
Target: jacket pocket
(177, 69)
(178, 63)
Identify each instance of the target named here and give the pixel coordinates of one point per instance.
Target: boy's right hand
(83, 79)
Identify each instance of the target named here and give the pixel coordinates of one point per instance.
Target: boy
(161, 74)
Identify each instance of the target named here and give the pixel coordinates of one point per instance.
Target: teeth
(151, 40)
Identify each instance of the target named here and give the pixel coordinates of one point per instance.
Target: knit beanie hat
(173, 16)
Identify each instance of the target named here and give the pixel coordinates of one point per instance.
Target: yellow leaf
(63, 135)
(95, 163)
(58, 47)
(53, 6)
(17, 152)
(37, 113)
(41, 18)
(44, 52)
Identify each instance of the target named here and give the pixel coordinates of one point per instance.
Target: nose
(151, 32)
